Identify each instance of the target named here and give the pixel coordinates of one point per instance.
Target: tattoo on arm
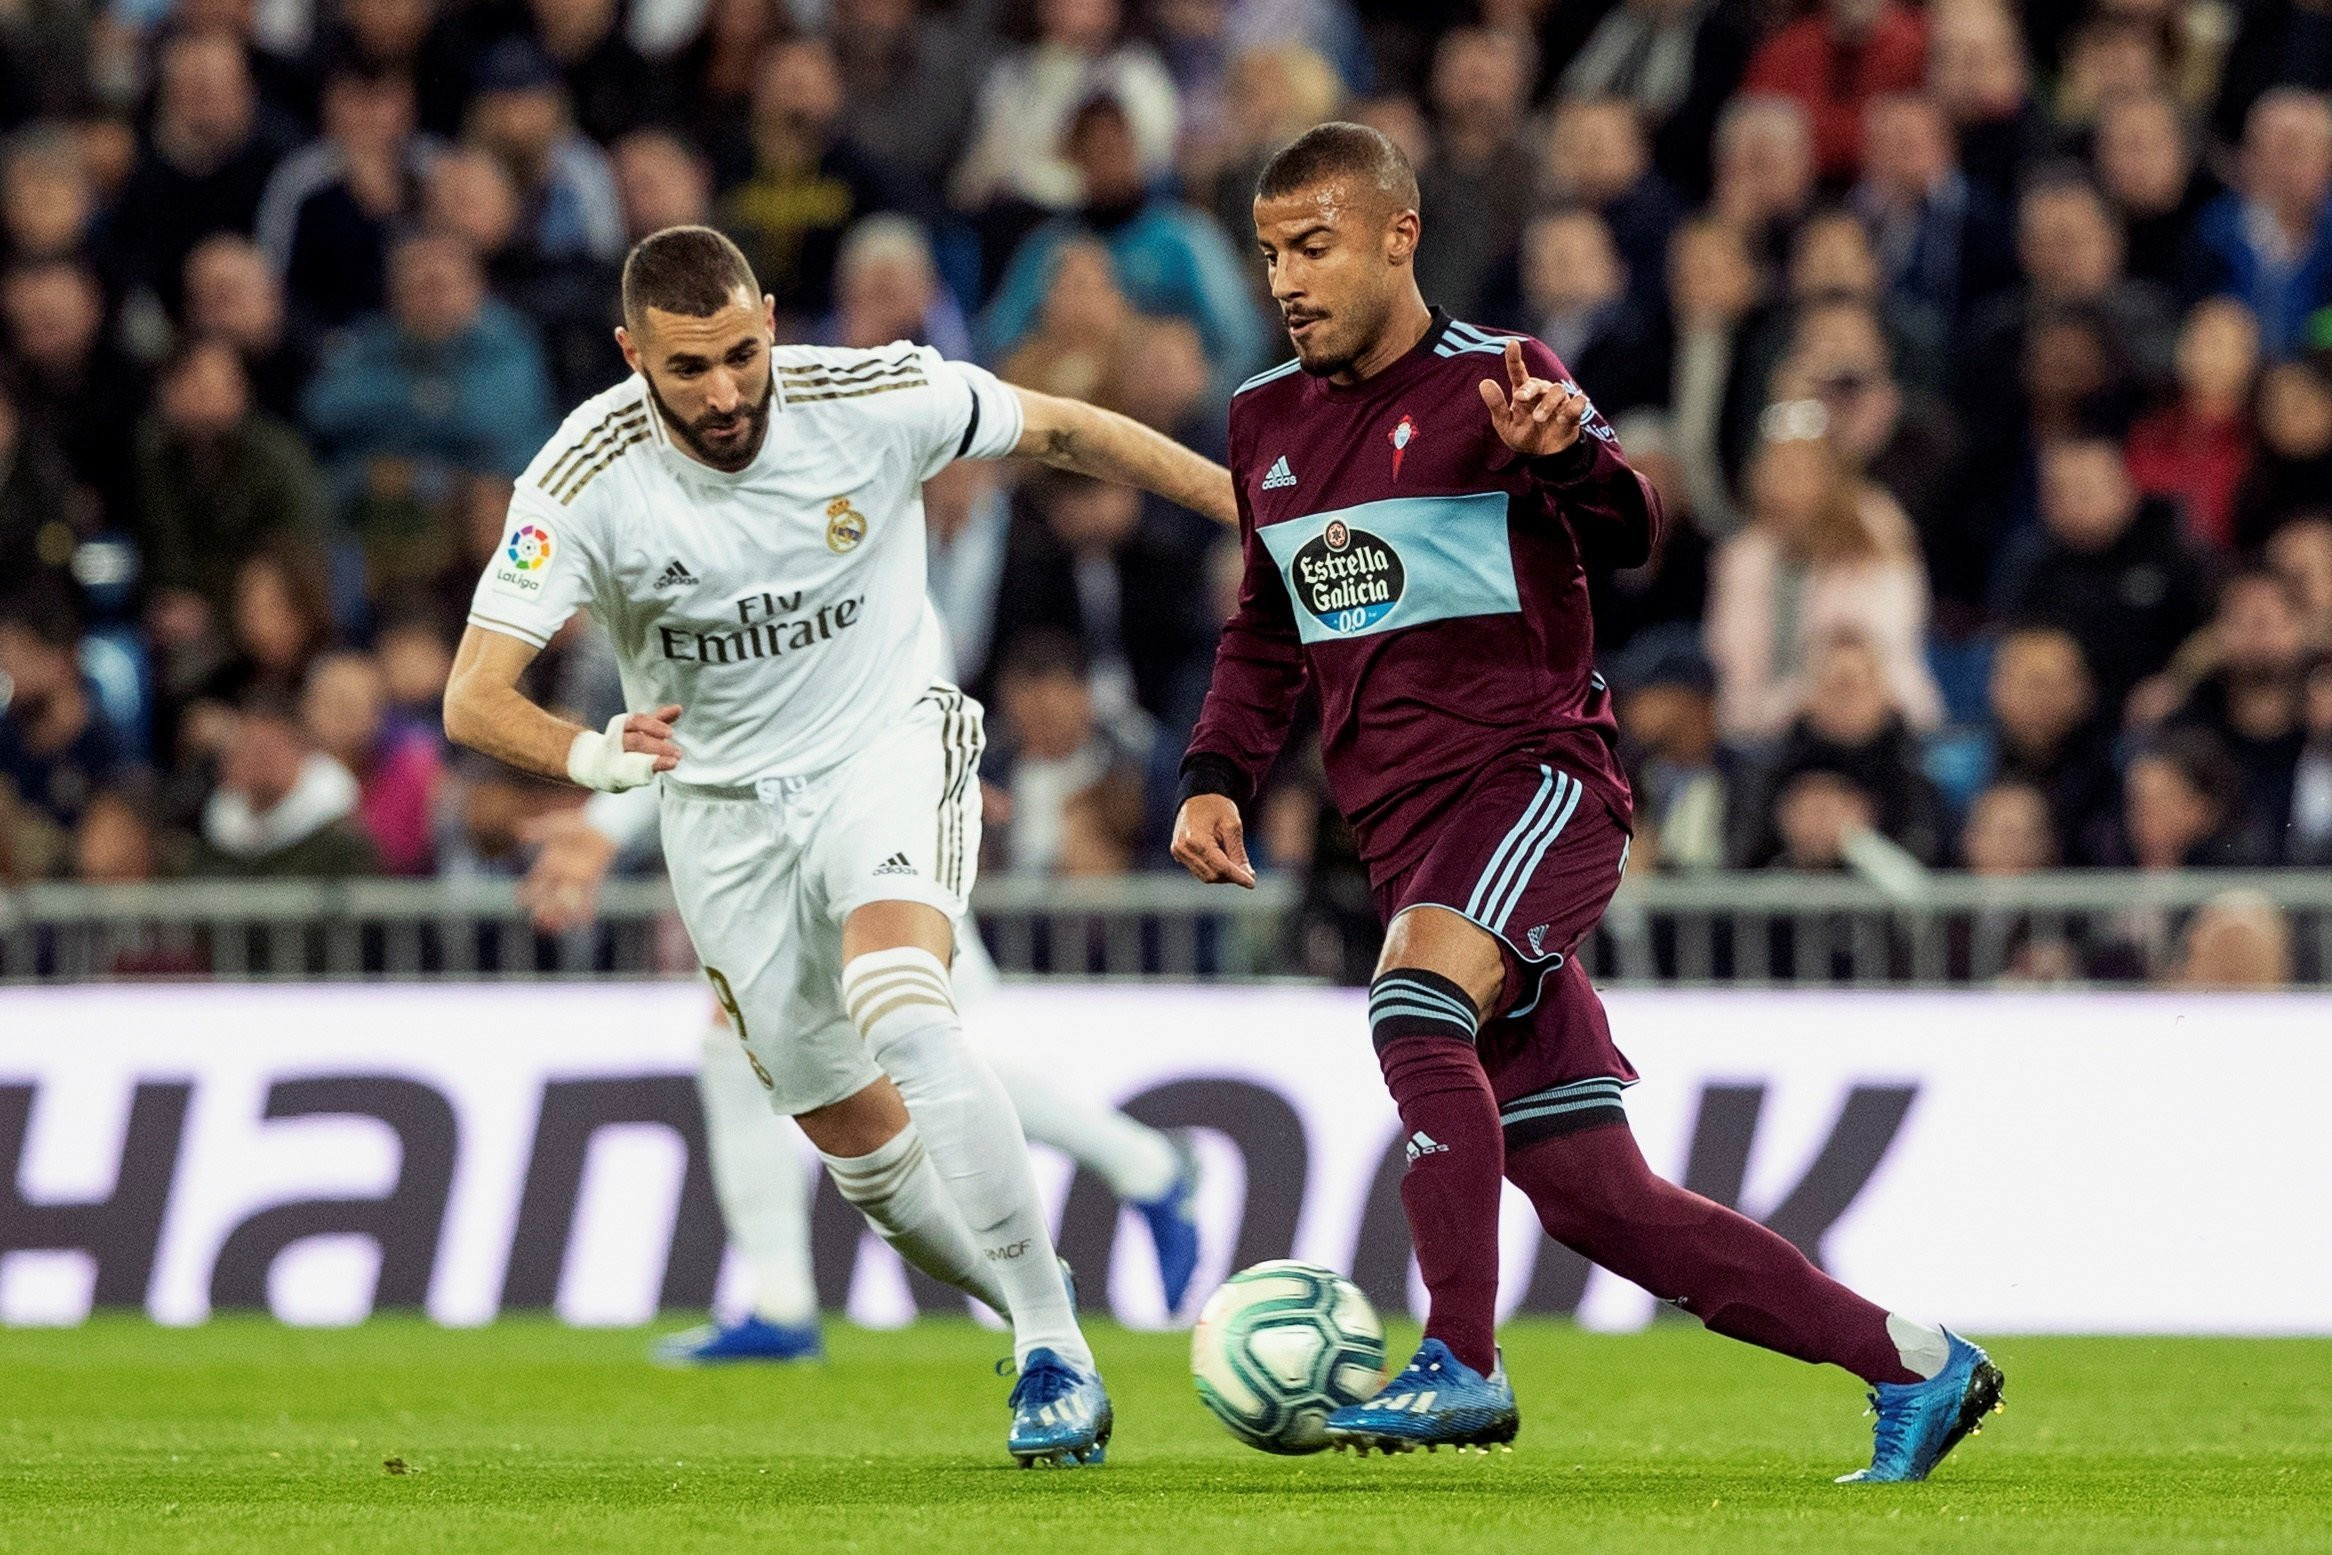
(1107, 445)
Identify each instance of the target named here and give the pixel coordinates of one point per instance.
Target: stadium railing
(1764, 927)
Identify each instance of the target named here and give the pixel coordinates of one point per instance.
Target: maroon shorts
(1533, 855)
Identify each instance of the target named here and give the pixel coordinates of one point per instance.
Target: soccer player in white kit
(747, 522)
(760, 1180)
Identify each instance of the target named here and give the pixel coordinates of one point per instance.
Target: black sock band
(1562, 1109)
(1411, 1002)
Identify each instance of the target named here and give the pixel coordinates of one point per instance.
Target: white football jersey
(781, 607)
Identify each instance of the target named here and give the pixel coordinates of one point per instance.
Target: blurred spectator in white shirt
(1015, 146)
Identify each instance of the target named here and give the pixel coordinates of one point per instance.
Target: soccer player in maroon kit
(1418, 501)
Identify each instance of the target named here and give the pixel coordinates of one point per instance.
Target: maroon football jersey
(1430, 582)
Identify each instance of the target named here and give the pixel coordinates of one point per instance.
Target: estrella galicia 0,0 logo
(1348, 578)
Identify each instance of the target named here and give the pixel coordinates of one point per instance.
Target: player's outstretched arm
(485, 710)
(1072, 435)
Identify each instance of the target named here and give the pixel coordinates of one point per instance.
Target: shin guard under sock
(1424, 1029)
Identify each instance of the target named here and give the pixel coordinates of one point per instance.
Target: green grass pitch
(249, 1438)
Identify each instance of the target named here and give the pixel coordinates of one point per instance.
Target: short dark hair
(2060, 175)
(271, 702)
(355, 70)
(1340, 150)
(2201, 760)
(44, 615)
(1043, 652)
(691, 271)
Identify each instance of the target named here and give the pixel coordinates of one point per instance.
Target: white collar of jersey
(690, 468)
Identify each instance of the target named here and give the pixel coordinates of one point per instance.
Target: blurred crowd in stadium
(1980, 353)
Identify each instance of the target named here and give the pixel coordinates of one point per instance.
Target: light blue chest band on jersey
(1401, 562)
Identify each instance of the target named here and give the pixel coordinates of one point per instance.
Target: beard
(692, 434)
(1325, 362)
(1351, 334)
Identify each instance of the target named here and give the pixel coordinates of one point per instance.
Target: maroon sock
(1595, 1194)
(1457, 1155)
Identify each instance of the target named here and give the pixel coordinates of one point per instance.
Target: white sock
(1921, 1347)
(761, 1180)
(1136, 1160)
(900, 1194)
(900, 999)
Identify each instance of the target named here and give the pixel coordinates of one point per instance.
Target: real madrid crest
(845, 526)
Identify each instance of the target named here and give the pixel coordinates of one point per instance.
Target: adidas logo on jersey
(1279, 475)
(677, 576)
(1424, 1144)
(896, 864)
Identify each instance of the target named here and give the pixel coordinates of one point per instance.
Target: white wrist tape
(600, 761)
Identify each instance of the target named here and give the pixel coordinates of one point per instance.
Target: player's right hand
(561, 891)
(1211, 843)
(633, 749)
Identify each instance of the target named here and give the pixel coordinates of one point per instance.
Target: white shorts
(765, 876)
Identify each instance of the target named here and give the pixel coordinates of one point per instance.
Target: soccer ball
(1279, 1347)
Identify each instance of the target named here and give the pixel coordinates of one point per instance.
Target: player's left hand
(1538, 418)
(1211, 841)
(561, 891)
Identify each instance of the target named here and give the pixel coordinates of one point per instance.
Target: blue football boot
(753, 1339)
(1060, 1415)
(1918, 1422)
(1173, 1223)
(1437, 1401)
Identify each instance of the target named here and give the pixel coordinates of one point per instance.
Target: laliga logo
(529, 548)
(524, 557)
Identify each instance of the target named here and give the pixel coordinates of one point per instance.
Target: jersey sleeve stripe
(590, 473)
(591, 448)
(1459, 339)
(615, 422)
(871, 360)
(862, 370)
(866, 374)
(971, 428)
(916, 382)
(1266, 376)
(1496, 337)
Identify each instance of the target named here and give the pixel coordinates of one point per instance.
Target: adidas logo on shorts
(1278, 475)
(677, 576)
(896, 864)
